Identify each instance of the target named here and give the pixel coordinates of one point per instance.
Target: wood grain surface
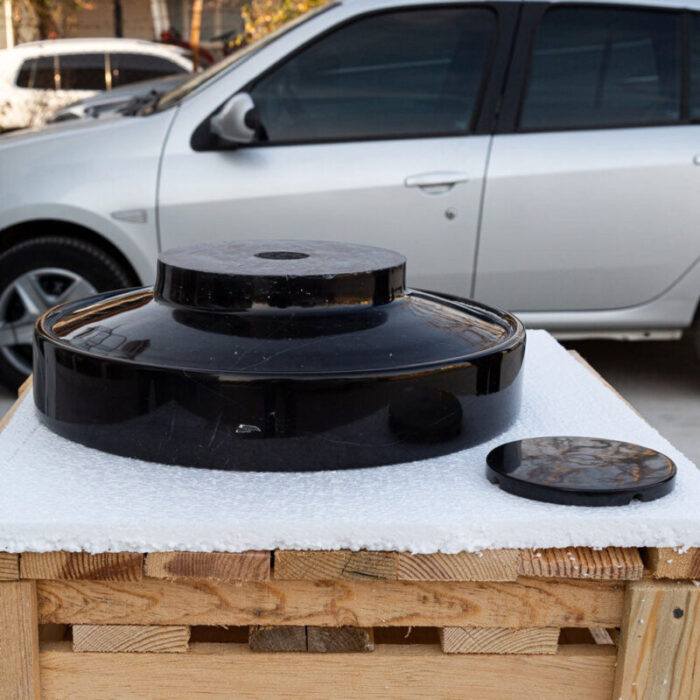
(9, 566)
(666, 562)
(218, 566)
(75, 566)
(19, 641)
(401, 672)
(131, 638)
(525, 603)
(660, 642)
(277, 638)
(338, 640)
(499, 640)
(609, 564)
(341, 565)
(489, 565)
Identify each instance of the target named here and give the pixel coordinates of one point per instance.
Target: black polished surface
(580, 471)
(278, 355)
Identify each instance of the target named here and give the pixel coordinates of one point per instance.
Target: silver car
(542, 157)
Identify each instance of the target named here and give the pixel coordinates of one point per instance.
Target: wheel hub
(25, 299)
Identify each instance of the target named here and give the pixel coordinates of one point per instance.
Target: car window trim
(505, 14)
(517, 88)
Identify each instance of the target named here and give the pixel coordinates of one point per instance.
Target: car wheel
(694, 337)
(38, 274)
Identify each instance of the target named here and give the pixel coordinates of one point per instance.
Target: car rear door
(378, 132)
(593, 184)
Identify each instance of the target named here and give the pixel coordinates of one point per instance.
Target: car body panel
(552, 237)
(326, 191)
(84, 173)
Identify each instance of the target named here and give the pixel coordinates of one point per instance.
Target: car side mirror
(237, 121)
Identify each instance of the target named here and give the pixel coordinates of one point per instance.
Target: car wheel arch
(38, 228)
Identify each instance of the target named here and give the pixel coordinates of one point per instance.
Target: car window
(176, 95)
(404, 73)
(695, 67)
(44, 73)
(597, 67)
(82, 71)
(24, 74)
(132, 67)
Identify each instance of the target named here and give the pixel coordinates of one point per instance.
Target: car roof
(670, 4)
(58, 46)
(674, 4)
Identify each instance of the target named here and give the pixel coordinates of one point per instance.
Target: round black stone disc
(580, 471)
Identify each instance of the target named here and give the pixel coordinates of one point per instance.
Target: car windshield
(179, 93)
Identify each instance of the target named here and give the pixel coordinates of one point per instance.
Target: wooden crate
(569, 623)
(574, 623)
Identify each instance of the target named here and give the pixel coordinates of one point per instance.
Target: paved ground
(661, 380)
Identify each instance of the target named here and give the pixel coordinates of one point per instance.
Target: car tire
(39, 273)
(694, 337)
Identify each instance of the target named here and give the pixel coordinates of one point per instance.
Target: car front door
(591, 201)
(372, 136)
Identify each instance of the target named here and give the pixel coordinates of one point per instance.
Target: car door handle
(444, 179)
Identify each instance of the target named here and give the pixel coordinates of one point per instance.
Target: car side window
(24, 75)
(604, 67)
(394, 74)
(132, 67)
(82, 71)
(695, 67)
(45, 73)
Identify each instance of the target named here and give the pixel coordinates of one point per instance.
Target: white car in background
(40, 77)
(543, 157)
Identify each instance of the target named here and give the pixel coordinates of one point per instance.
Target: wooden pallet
(570, 623)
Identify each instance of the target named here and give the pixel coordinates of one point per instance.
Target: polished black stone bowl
(278, 355)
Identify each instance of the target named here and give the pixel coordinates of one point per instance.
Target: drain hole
(281, 255)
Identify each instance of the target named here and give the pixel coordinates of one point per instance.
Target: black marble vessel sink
(278, 355)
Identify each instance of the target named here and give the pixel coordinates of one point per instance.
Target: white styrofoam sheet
(57, 495)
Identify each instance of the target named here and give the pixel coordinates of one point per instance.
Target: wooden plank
(601, 635)
(499, 640)
(659, 650)
(271, 638)
(26, 386)
(489, 565)
(131, 638)
(78, 566)
(401, 672)
(666, 562)
(334, 640)
(19, 641)
(341, 565)
(216, 566)
(609, 564)
(9, 566)
(525, 603)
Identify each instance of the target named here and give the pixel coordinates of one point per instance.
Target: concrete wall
(137, 21)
